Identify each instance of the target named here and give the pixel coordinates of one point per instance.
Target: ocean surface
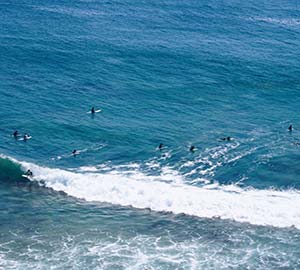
(180, 73)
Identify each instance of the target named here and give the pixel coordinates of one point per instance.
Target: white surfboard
(27, 138)
(27, 176)
(96, 111)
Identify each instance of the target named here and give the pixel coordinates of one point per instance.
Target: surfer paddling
(228, 139)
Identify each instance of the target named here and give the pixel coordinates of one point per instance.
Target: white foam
(261, 207)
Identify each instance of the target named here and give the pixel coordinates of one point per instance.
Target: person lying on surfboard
(93, 110)
(226, 139)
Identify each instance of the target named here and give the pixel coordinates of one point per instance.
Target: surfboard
(27, 176)
(77, 153)
(27, 138)
(96, 111)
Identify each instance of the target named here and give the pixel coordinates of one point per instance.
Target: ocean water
(180, 73)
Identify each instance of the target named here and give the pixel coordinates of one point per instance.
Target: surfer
(226, 139)
(29, 173)
(291, 128)
(192, 149)
(93, 110)
(74, 152)
(16, 134)
(26, 137)
(160, 147)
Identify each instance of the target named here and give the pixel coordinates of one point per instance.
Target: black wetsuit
(192, 149)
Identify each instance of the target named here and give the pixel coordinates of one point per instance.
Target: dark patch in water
(10, 172)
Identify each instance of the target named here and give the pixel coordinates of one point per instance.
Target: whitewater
(135, 189)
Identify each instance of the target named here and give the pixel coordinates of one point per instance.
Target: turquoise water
(168, 72)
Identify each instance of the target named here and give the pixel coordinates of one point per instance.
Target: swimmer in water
(16, 134)
(291, 128)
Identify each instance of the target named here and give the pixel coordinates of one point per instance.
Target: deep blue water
(166, 72)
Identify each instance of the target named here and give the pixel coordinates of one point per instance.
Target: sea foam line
(260, 207)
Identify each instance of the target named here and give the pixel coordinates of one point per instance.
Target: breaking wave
(261, 207)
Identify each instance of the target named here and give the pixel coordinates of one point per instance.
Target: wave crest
(260, 207)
